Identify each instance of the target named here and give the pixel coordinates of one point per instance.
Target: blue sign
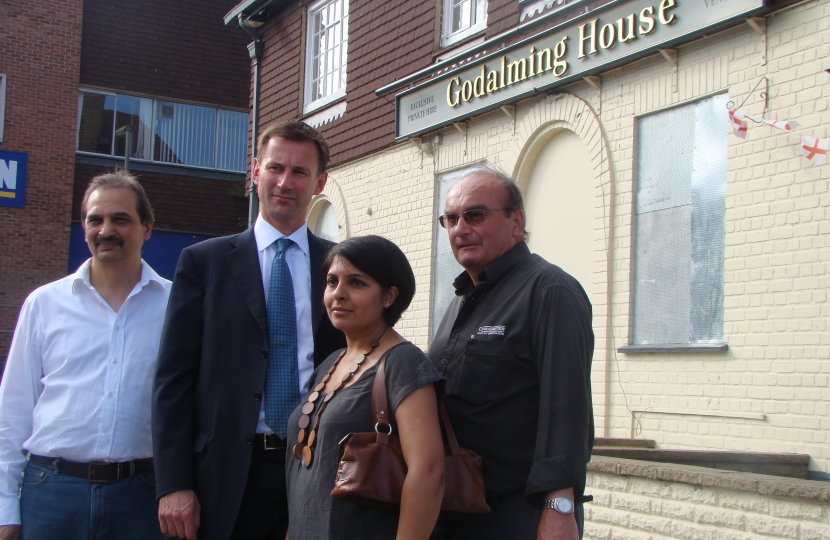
(13, 178)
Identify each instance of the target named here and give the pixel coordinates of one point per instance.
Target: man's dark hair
(124, 180)
(297, 132)
(383, 261)
(515, 201)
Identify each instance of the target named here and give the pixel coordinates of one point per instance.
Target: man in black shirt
(515, 347)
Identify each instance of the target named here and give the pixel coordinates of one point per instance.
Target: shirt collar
(148, 275)
(493, 272)
(265, 235)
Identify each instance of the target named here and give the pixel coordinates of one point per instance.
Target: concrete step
(624, 443)
(788, 465)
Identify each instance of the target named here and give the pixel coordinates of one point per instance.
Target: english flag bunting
(785, 125)
(815, 149)
(738, 121)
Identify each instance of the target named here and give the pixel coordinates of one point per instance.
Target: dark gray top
(313, 514)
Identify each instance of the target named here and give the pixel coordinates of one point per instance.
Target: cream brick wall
(771, 390)
(630, 507)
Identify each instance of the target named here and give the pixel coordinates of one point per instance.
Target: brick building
(704, 254)
(74, 73)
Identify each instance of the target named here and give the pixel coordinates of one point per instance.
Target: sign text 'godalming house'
(597, 40)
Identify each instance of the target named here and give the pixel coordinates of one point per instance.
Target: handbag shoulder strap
(380, 403)
(453, 442)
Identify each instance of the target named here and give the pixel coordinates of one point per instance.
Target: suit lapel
(243, 261)
(316, 251)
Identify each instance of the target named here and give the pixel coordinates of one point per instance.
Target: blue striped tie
(282, 387)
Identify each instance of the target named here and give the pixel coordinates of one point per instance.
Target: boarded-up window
(680, 207)
(445, 268)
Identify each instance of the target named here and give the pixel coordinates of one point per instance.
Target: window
(2, 104)
(163, 131)
(462, 18)
(326, 51)
(324, 223)
(680, 209)
(445, 267)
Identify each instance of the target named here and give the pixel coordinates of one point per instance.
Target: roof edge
(246, 6)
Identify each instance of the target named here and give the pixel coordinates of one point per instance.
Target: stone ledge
(675, 348)
(808, 490)
(611, 442)
(775, 464)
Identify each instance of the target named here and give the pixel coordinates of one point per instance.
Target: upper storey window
(163, 131)
(462, 18)
(326, 51)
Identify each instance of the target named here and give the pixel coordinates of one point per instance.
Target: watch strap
(563, 505)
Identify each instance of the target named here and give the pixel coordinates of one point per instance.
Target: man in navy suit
(220, 465)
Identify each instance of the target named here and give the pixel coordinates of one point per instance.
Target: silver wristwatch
(562, 505)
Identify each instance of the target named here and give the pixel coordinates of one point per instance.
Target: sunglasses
(471, 217)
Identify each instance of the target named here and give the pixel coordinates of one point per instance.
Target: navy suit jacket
(211, 372)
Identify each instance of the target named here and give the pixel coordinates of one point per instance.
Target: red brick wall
(41, 51)
(182, 203)
(502, 15)
(179, 49)
(387, 41)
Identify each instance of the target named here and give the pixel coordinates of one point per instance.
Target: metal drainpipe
(255, 52)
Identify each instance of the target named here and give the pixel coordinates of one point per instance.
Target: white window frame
(309, 103)
(3, 78)
(447, 36)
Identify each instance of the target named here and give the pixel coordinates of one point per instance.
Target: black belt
(96, 472)
(270, 441)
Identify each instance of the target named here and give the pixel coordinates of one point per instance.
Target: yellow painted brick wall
(776, 280)
(633, 508)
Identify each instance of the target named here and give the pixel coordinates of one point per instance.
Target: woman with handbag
(369, 283)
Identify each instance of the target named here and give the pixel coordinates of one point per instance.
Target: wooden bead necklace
(306, 440)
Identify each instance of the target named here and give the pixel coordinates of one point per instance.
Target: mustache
(108, 240)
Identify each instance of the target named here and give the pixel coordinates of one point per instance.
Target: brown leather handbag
(372, 468)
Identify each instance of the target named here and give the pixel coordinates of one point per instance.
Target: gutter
(247, 8)
(249, 16)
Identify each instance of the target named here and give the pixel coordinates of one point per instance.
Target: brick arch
(333, 194)
(534, 129)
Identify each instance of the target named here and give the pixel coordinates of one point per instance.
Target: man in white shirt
(76, 390)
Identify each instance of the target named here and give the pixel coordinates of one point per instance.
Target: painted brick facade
(41, 44)
(639, 501)
(770, 391)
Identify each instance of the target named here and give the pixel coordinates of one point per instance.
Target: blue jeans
(55, 506)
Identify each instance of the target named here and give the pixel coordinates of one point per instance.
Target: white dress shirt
(299, 264)
(79, 378)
